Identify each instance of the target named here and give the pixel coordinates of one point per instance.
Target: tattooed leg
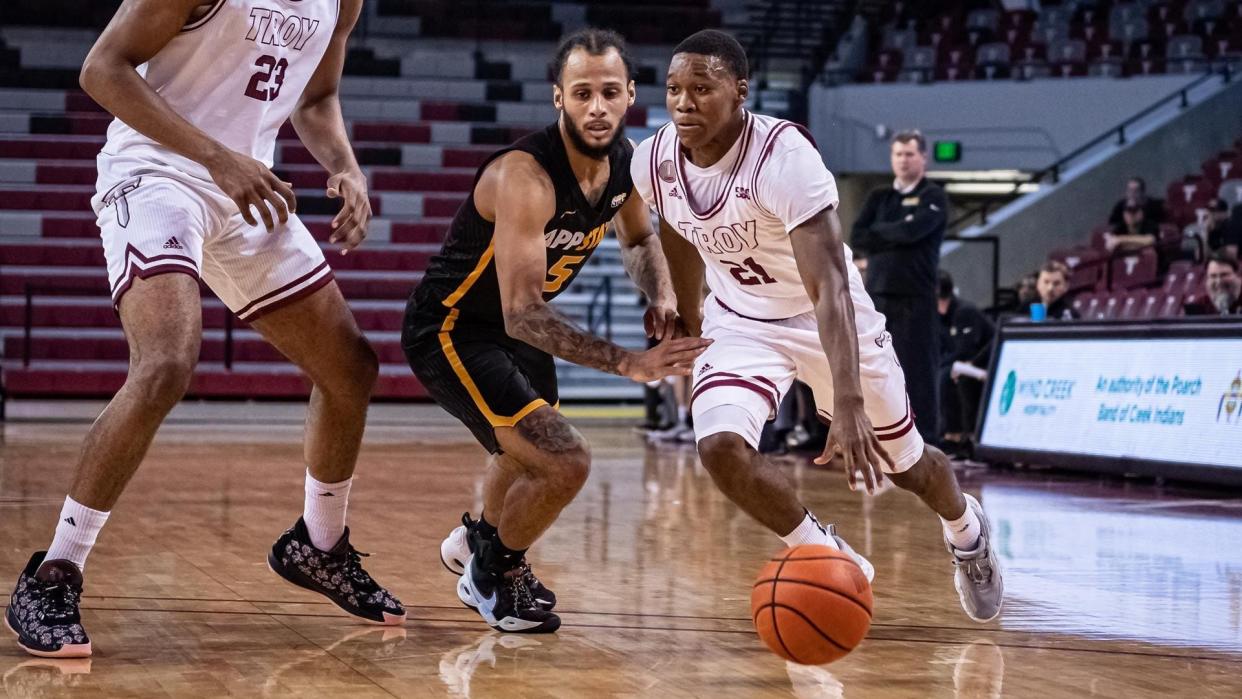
(553, 461)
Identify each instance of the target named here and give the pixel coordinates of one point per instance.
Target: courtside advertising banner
(1152, 399)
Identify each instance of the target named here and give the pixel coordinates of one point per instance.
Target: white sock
(964, 531)
(810, 531)
(76, 531)
(324, 511)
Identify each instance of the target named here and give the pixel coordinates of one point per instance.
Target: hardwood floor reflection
(1115, 590)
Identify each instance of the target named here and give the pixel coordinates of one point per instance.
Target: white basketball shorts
(753, 363)
(155, 219)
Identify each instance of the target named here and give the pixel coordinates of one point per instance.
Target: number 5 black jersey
(462, 276)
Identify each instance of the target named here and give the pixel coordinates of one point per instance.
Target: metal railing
(1118, 133)
(603, 293)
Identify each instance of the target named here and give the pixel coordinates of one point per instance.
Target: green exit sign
(947, 151)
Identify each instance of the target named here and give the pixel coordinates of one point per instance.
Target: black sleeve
(979, 338)
(860, 234)
(1115, 218)
(928, 219)
(1233, 228)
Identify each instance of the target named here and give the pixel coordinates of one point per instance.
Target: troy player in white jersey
(746, 201)
(199, 89)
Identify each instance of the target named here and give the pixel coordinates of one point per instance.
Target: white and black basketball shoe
(503, 599)
(457, 548)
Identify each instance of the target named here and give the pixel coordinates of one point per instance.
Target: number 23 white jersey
(770, 182)
(236, 72)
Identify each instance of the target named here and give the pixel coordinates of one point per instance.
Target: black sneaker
(504, 601)
(544, 597)
(43, 611)
(335, 574)
(458, 547)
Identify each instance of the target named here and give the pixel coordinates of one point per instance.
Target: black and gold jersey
(462, 276)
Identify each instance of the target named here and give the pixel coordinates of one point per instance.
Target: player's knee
(366, 365)
(920, 477)
(723, 454)
(353, 375)
(571, 470)
(163, 378)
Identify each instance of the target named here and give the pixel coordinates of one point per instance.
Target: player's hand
(660, 321)
(249, 183)
(349, 227)
(852, 436)
(672, 357)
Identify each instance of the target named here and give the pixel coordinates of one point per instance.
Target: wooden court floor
(1115, 589)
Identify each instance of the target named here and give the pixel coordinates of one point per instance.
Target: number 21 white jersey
(739, 212)
(236, 72)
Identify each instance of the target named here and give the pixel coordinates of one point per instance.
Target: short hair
(713, 42)
(1221, 257)
(1142, 183)
(912, 135)
(1056, 267)
(945, 285)
(595, 42)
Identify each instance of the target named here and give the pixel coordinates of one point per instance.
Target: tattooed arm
(517, 194)
(644, 262)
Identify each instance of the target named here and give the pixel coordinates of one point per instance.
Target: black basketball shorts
(480, 375)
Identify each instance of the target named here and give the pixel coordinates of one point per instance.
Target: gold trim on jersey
(446, 344)
(484, 260)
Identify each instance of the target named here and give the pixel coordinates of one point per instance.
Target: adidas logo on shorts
(173, 244)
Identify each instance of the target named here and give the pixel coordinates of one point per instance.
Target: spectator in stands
(1028, 292)
(1211, 233)
(1233, 242)
(1053, 283)
(1135, 232)
(1136, 191)
(965, 343)
(899, 230)
(1223, 289)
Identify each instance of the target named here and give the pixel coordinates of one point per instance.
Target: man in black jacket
(899, 231)
(965, 339)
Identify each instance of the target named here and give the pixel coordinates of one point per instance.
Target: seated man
(1136, 190)
(1224, 289)
(1052, 284)
(965, 339)
(1212, 232)
(1135, 232)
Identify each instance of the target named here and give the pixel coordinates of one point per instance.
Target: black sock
(486, 529)
(502, 559)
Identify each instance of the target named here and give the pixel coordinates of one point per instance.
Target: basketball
(811, 604)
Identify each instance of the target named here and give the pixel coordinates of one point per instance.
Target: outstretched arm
(645, 263)
(138, 30)
(319, 124)
(522, 206)
(820, 254)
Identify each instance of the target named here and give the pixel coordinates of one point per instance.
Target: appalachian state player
(480, 335)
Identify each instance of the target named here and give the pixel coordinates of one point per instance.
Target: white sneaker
(977, 573)
(867, 569)
(455, 550)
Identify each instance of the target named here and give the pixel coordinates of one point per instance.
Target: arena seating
(419, 127)
(921, 42)
(1151, 283)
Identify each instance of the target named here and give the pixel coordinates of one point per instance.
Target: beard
(593, 152)
(1223, 300)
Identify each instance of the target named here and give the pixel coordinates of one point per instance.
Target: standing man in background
(900, 230)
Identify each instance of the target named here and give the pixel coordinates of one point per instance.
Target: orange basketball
(811, 604)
